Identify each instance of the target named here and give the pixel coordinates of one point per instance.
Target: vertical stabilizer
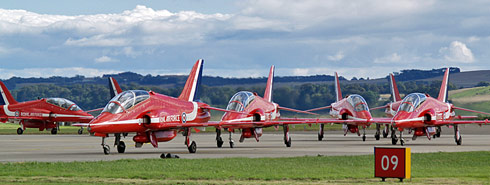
(338, 93)
(443, 90)
(193, 84)
(114, 87)
(268, 88)
(394, 89)
(6, 97)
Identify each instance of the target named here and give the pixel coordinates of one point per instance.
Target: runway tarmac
(14, 148)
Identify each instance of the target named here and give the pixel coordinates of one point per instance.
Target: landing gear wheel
(402, 142)
(20, 131)
(193, 147)
(121, 147)
(320, 137)
(459, 141)
(232, 144)
(54, 131)
(107, 149)
(80, 131)
(377, 136)
(385, 134)
(394, 140)
(288, 143)
(363, 138)
(219, 142)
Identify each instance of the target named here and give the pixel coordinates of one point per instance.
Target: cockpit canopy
(125, 101)
(63, 103)
(240, 100)
(358, 102)
(412, 101)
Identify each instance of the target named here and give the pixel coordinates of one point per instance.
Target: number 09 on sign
(392, 163)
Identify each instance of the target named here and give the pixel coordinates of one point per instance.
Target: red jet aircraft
(153, 117)
(43, 114)
(352, 112)
(250, 113)
(422, 114)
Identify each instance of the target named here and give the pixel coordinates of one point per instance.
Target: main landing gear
(321, 132)
(20, 131)
(386, 131)
(54, 131)
(377, 135)
(457, 136)
(394, 140)
(231, 139)
(363, 133)
(191, 146)
(287, 137)
(121, 146)
(219, 140)
(80, 131)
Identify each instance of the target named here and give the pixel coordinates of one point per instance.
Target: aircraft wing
(469, 110)
(287, 121)
(457, 122)
(80, 124)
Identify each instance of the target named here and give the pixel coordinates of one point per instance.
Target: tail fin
(268, 88)
(394, 89)
(443, 90)
(114, 87)
(6, 98)
(192, 86)
(338, 92)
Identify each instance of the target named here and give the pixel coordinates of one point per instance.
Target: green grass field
(429, 168)
(477, 98)
(10, 128)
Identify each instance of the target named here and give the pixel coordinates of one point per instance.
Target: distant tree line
(179, 80)
(304, 96)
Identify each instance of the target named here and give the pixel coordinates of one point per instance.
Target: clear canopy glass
(358, 102)
(240, 101)
(63, 103)
(412, 101)
(125, 101)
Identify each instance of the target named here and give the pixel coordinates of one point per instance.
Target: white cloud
(393, 58)
(105, 59)
(338, 56)
(48, 72)
(457, 52)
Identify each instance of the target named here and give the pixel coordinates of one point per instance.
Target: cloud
(393, 58)
(457, 52)
(105, 59)
(338, 56)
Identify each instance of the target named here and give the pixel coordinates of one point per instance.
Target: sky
(357, 38)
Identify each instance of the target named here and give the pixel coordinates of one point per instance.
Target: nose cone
(96, 124)
(402, 119)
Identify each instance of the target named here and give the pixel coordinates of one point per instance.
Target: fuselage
(351, 107)
(45, 110)
(255, 107)
(142, 111)
(419, 110)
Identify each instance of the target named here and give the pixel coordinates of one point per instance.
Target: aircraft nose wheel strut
(106, 148)
(394, 140)
(457, 135)
(287, 137)
(231, 139)
(377, 135)
(191, 146)
(321, 132)
(219, 140)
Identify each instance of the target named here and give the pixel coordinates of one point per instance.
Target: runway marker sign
(391, 162)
